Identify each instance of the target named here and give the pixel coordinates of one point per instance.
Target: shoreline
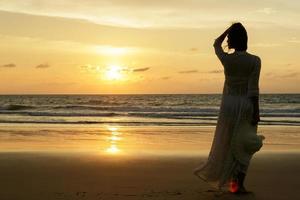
(110, 139)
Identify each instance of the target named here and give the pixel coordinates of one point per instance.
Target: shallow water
(131, 140)
(138, 110)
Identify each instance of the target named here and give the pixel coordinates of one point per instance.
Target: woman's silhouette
(236, 138)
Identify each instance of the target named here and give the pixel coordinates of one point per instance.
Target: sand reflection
(114, 140)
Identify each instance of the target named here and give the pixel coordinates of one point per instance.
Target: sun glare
(113, 149)
(112, 129)
(113, 72)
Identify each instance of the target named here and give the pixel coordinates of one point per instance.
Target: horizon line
(81, 94)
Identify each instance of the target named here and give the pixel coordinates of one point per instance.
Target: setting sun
(114, 72)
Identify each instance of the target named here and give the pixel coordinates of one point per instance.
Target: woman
(236, 138)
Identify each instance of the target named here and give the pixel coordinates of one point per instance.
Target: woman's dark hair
(237, 37)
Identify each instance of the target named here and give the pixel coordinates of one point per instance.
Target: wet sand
(43, 176)
(137, 140)
(134, 163)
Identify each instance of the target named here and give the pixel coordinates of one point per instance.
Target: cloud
(281, 75)
(9, 65)
(194, 49)
(270, 74)
(267, 11)
(290, 75)
(215, 71)
(89, 68)
(141, 69)
(42, 66)
(165, 77)
(188, 72)
(294, 40)
(84, 67)
(266, 45)
(156, 13)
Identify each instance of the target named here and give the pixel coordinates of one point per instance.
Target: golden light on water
(112, 129)
(113, 149)
(113, 140)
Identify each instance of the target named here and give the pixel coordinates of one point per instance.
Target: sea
(138, 110)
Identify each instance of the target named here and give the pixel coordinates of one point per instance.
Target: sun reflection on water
(113, 140)
(113, 149)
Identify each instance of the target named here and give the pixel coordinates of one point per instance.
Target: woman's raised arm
(218, 45)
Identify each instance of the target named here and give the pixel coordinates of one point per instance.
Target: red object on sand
(233, 186)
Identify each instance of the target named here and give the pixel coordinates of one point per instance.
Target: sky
(139, 46)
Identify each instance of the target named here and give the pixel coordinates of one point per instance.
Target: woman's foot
(233, 186)
(236, 186)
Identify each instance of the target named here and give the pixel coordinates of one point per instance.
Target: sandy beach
(68, 163)
(37, 176)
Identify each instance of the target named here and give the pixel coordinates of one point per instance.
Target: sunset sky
(139, 46)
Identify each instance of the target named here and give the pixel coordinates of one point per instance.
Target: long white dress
(235, 139)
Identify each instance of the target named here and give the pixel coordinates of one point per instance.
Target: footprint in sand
(81, 194)
(59, 195)
(173, 193)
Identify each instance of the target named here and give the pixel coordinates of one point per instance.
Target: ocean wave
(176, 115)
(137, 110)
(197, 109)
(57, 114)
(187, 110)
(145, 123)
(142, 123)
(70, 108)
(13, 107)
(280, 110)
(173, 115)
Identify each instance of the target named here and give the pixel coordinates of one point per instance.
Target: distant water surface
(171, 110)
